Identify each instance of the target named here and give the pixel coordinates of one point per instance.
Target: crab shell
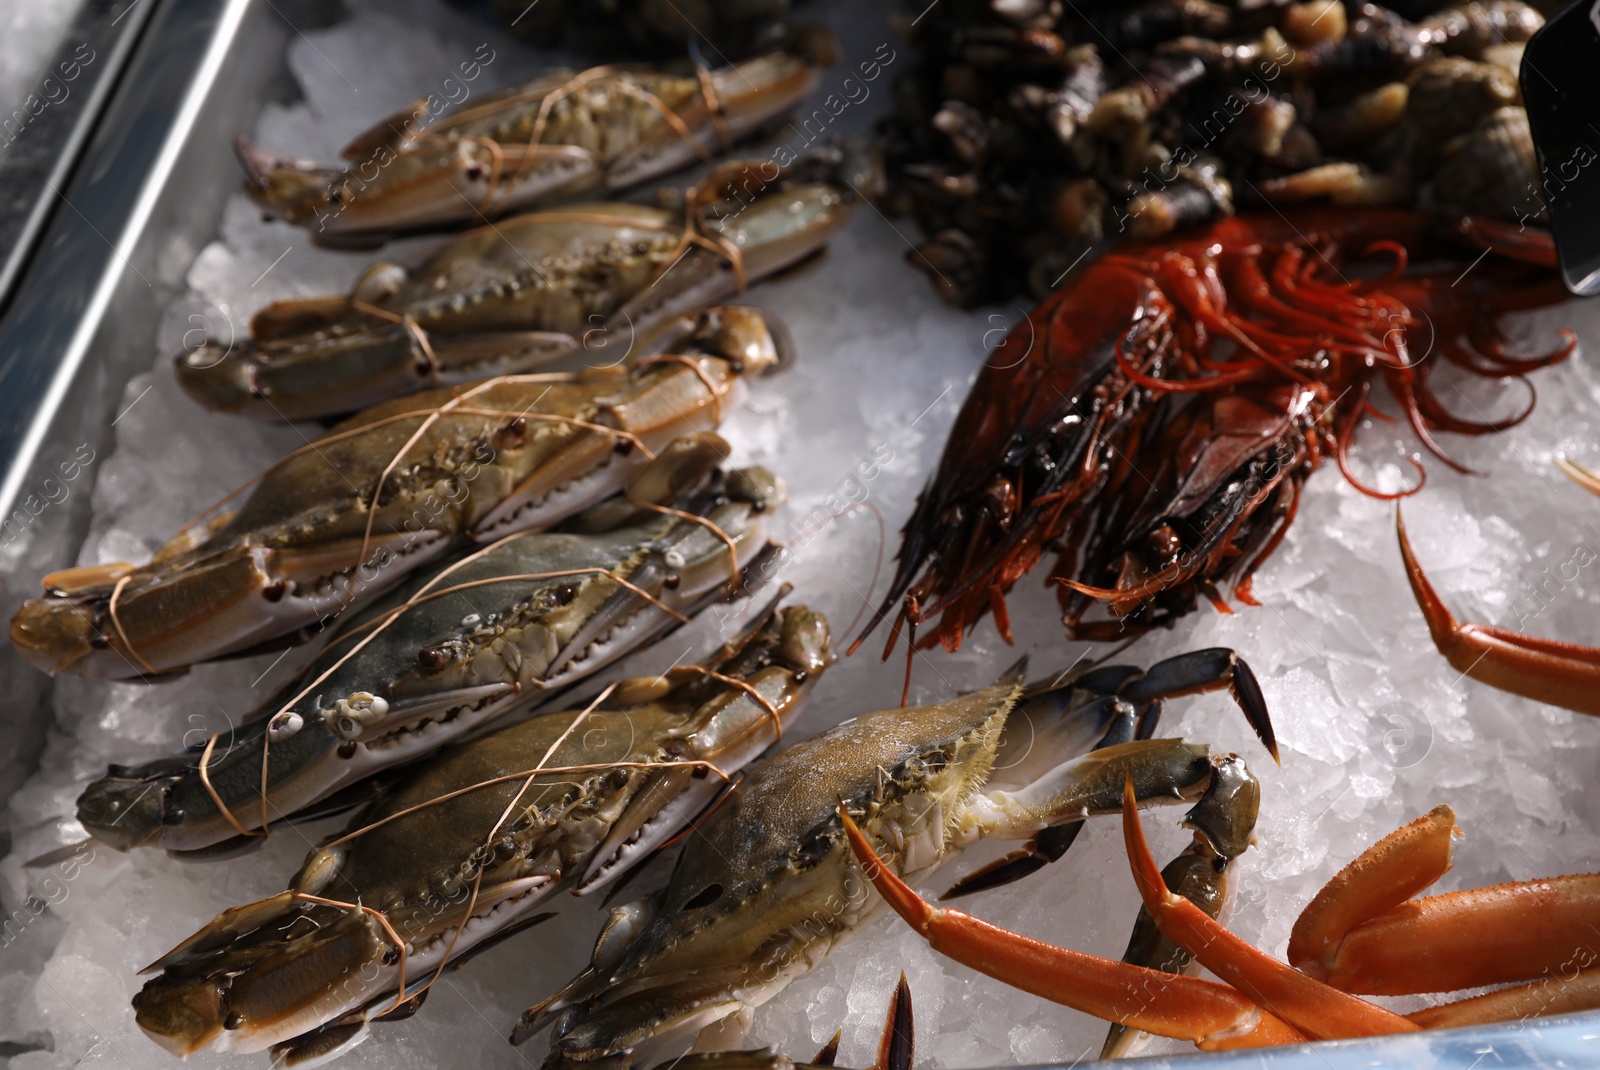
(602, 131)
(446, 467)
(262, 974)
(444, 665)
(770, 886)
(604, 280)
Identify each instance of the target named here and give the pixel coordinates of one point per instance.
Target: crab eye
(814, 849)
(554, 597)
(170, 814)
(435, 658)
(705, 897)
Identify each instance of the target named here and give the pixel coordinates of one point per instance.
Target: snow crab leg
(1363, 934)
(1545, 670)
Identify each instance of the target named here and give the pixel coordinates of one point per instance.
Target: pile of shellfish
(1027, 131)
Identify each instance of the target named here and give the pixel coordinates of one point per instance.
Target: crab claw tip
(1146, 874)
(907, 903)
(1583, 477)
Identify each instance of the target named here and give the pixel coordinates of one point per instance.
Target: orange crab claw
(1364, 933)
(1468, 939)
(1322, 1012)
(1211, 1015)
(1384, 876)
(1545, 670)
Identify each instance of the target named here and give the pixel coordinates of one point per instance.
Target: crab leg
(1209, 1014)
(1383, 877)
(1322, 1012)
(1129, 707)
(1364, 933)
(1557, 995)
(898, 1043)
(1223, 823)
(1545, 670)
(1482, 936)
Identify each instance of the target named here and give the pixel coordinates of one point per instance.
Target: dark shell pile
(1026, 131)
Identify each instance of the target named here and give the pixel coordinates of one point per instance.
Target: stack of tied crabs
(484, 528)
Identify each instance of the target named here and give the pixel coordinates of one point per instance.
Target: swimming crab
(562, 134)
(335, 523)
(498, 629)
(459, 853)
(768, 887)
(606, 280)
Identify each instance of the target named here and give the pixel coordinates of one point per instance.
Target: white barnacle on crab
(352, 716)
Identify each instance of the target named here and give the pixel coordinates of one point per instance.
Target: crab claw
(1365, 933)
(1386, 875)
(1209, 1014)
(196, 1004)
(1322, 1012)
(1223, 823)
(288, 187)
(1123, 703)
(1545, 670)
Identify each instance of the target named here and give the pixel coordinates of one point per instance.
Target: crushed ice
(1376, 727)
